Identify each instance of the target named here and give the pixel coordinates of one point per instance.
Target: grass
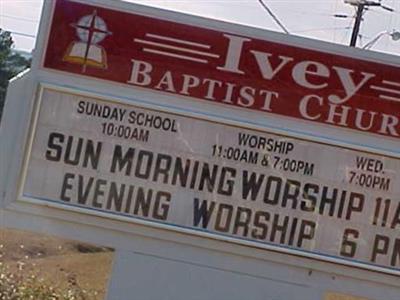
(45, 268)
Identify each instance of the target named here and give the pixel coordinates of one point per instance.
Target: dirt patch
(58, 263)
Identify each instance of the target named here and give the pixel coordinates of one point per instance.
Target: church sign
(161, 163)
(190, 174)
(225, 68)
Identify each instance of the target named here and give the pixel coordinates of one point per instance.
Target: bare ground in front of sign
(40, 265)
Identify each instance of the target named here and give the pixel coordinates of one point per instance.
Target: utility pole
(357, 23)
(361, 6)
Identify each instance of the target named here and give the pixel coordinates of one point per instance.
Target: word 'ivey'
(300, 72)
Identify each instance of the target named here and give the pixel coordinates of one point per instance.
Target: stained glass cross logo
(91, 30)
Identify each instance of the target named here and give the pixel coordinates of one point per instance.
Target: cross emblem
(91, 33)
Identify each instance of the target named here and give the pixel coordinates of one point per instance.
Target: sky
(309, 18)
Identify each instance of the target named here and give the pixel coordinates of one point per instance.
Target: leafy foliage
(11, 63)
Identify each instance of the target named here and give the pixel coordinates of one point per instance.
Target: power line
(308, 13)
(273, 16)
(322, 29)
(342, 16)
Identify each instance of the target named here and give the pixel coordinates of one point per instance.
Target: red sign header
(225, 68)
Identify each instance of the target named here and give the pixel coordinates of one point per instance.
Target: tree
(11, 63)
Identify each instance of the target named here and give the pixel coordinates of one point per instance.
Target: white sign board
(204, 177)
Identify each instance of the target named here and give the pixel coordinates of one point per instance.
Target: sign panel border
(171, 227)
